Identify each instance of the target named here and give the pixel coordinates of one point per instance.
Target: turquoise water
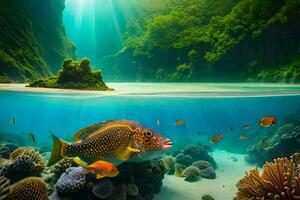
(64, 114)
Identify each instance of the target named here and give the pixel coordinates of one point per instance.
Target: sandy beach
(173, 89)
(221, 188)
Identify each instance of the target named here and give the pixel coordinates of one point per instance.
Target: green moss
(74, 75)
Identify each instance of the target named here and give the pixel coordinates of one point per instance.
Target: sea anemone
(278, 180)
(31, 188)
(132, 189)
(103, 188)
(191, 173)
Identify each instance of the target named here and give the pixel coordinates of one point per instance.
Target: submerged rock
(103, 188)
(208, 173)
(191, 173)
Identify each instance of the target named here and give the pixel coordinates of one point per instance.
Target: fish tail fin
(80, 162)
(58, 150)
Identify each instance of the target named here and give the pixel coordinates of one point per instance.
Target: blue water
(66, 114)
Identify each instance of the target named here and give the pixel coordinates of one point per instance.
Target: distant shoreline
(171, 89)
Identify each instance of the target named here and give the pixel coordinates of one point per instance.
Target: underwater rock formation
(191, 173)
(7, 149)
(168, 162)
(29, 189)
(208, 173)
(32, 46)
(207, 197)
(286, 136)
(279, 179)
(202, 164)
(132, 189)
(103, 188)
(4, 187)
(72, 180)
(199, 152)
(74, 75)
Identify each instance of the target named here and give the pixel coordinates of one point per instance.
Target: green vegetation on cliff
(204, 40)
(32, 38)
(73, 75)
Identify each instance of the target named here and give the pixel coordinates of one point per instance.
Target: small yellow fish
(180, 122)
(246, 127)
(100, 168)
(267, 121)
(11, 121)
(178, 173)
(31, 137)
(243, 137)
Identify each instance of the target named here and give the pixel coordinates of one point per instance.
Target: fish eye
(148, 134)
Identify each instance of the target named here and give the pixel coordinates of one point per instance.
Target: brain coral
(72, 180)
(31, 188)
(191, 173)
(279, 179)
(33, 155)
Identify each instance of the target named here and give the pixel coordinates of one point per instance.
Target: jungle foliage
(204, 40)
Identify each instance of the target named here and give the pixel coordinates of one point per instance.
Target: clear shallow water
(64, 114)
(209, 113)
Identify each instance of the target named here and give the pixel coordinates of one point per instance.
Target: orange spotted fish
(216, 138)
(267, 121)
(100, 168)
(112, 141)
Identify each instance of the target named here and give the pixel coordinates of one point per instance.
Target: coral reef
(168, 162)
(4, 187)
(279, 179)
(33, 155)
(285, 135)
(74, 75)
(103, 188)
(184, 159)
(29, 189)
(72, 180)
(202, 164)
(191, 173)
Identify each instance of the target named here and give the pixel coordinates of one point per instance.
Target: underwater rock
(4, 187)
(278, 146)
(277, 180)
(208, 173)
(103, 188)
(202, 164)
(168, 162)
(119, 192)
(7, 149)
(29, 189)
(191, 173)
(72, 180)
(184, 159)
(199, 152)
(207, 197)
(132, 189)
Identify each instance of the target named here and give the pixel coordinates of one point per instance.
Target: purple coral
(72, 180)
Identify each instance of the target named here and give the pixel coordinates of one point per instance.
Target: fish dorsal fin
(96, 128)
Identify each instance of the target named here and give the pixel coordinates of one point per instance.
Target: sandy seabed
(221, 188)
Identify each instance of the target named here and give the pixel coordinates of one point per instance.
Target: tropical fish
(179, 122)
(216, 138)
(11, 121)
(100, 168)
(158, 122)
(112, 141)
(31, 137)
(243, 137)
(267, 121)
(246, 127)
